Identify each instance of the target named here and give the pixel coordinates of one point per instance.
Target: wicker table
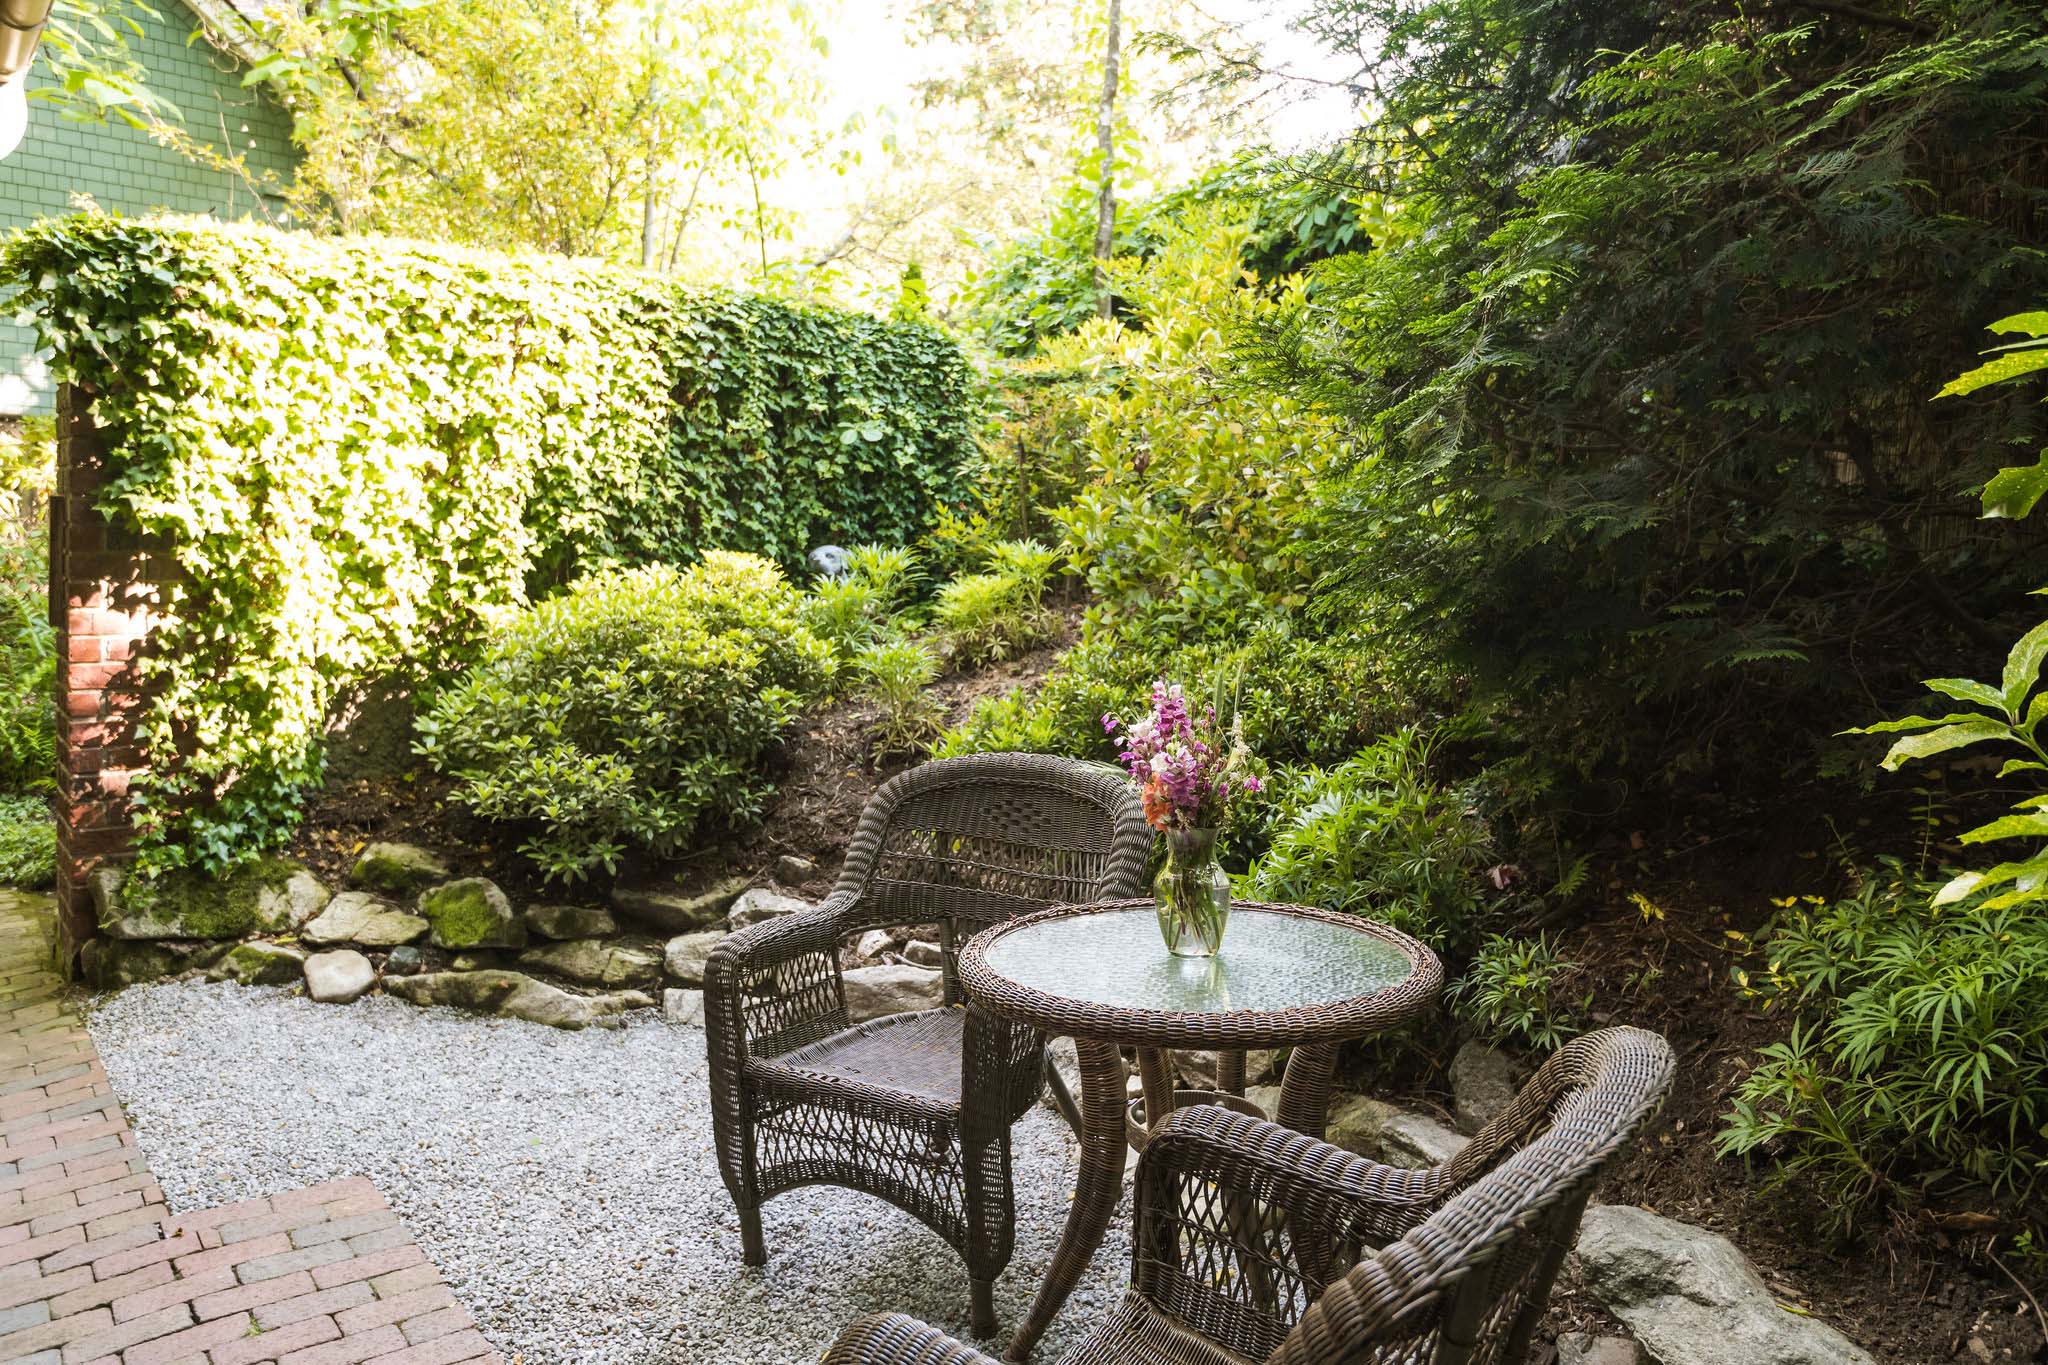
(1288, 976)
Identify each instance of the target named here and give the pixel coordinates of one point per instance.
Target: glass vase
(1192, 894)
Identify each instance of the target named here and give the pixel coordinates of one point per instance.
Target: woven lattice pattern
(915, 1109)
(1258, 1243)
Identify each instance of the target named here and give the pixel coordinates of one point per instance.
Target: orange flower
(1158, 809)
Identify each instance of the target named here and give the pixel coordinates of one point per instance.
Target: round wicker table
(1288, 976)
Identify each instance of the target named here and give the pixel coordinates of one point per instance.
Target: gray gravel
(563, 1182)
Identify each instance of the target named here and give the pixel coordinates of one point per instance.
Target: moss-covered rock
(111, 963)
(271, 896)
(402, 870)
(260, 964)
(471, 913)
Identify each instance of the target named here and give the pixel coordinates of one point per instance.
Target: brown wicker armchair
(913, 1108)
(1242, 1225)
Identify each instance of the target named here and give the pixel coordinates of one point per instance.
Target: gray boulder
(260, 964)
(686, 954)
(791, 870)
(471, 913)
(1691, 1298)
(339, 976)
(896, 988)
(570, 921)
(517, 996)
(412, 959)
(402, 870)
(1389, 1134)
(756, 905)
(359, 917)
(614, 963)
(675, 909)
(1198, 1069)
(683, 1007)
(1580, 1348)
(872, 944)
(923, 953)
(1482, 1084)
(270, 896)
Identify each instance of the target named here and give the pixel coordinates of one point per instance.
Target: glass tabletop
(1270, 961)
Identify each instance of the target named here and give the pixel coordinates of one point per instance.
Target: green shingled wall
(121, 168)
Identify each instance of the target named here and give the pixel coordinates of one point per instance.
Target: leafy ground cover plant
(28, 661)
(1917, 1059)
(985, 617)
(1378, 835)
(28, 842)
(895, 676)
(630, 711)
(1515, 991)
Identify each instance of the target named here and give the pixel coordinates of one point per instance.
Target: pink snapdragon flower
(1187, 768)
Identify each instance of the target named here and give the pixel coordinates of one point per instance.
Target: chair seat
(916, 1056)
(1141, 1335)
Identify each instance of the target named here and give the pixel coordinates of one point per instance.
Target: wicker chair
(913, 1108)
(1244, 1226)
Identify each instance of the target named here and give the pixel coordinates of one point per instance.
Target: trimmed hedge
(363, 451)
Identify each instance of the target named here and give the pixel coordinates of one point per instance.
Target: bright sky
(873, 63)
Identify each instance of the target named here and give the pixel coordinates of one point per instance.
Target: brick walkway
(95, 1268)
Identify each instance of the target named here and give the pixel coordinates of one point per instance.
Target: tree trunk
(647, 245)
(1105, 145)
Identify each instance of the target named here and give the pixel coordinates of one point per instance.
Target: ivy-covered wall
(357, 452)
(122, 168)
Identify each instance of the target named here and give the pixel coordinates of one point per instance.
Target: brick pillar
(102, 588)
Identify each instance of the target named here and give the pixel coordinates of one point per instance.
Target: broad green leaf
(1963, 689)
(2023, 667)
(2030, 826)
(2012, 492)
(1903, 723)
(1948, 737)
(1958, 888)
(2006, 367)
(2033, 324)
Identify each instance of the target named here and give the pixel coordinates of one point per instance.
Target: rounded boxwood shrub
(630, 711)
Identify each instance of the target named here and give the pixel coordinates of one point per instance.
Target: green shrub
(28, 663)
(1000, 614)
(1515, 992)
(630, 711)
(846, 613)
(28, 843)
(896, 677)
(1918, 1054)
(893, 571)
(1378, 836)
(363, 451)
(1300, 700)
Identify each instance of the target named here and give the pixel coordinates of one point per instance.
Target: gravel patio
(562, 1181)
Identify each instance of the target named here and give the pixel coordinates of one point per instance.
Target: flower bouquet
(1189, 769)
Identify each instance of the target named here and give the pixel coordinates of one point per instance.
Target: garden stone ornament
(830, 562)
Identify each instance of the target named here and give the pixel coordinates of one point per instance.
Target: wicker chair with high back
(1245, 1229)
(914, 1108)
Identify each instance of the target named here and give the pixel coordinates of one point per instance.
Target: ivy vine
(361, 451)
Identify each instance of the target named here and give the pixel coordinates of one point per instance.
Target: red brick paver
(96, 1270)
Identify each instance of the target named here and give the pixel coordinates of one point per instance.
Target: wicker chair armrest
(776, 985)
(1241, 1223)
(898, 1339)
